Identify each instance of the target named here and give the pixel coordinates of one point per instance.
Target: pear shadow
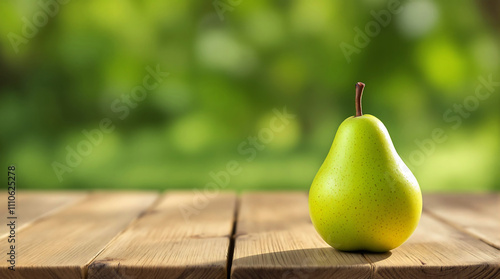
(307, 263)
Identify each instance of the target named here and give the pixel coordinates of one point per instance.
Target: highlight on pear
(364, 197)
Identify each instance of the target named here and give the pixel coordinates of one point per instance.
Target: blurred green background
(229, 69)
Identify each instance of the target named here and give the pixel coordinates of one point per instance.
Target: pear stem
(359, 93)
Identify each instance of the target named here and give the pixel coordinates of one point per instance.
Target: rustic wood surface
(478, 215)
(180, 237)
(63, 244)
(437, 250)
(31, 206)
(275, 237)
(193, 234)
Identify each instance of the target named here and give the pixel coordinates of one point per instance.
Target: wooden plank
(437, 250)
(169, 242)
(62, 245)
(476, 214)
(276, 239)
(33, 205)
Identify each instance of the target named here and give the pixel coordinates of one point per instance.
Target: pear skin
(364, 197)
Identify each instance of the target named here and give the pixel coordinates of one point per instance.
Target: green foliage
(226, 78)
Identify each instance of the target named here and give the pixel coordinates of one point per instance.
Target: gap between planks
(275, 239)
(374, 261)
(230, 251)
(41, 205)
(276, 254)
(483, 225)
(460, 228)
(59, 246)
(234, 233)
(166, 243)
(149, 209)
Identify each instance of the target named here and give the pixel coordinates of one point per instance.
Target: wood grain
(33, 205)
(437, 250)
(165, 243)
(62, 245)
(188, 235)
(476, 214)
(276, 239)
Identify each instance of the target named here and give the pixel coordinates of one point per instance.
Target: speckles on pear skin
(363, 199)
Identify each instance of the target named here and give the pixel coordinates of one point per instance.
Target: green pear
(364, 197)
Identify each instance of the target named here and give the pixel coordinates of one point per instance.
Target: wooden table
(217, 235)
